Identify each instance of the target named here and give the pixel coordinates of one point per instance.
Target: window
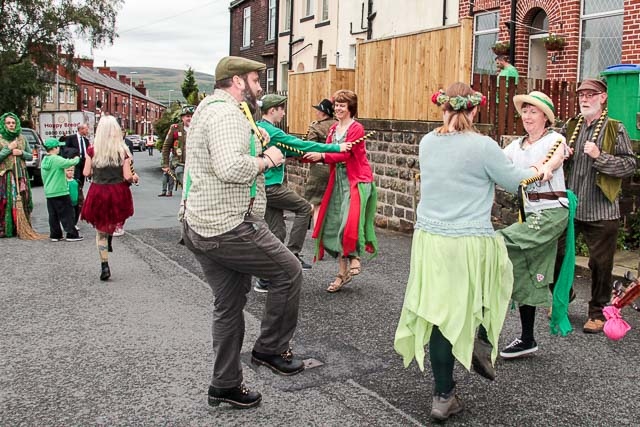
(71, 96)
(270, 81)
(49, 94)
(484, 37)
(246, 27)
(324, 15)
(272, 20)
(601, 36)
(284, 76)
(61, 95)
(308, 9)
(323, 62)
(286, 25)
(85, 96)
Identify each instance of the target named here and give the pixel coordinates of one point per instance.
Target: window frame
(591, 17)
(477, 33)
(271, 29)
(246, 27)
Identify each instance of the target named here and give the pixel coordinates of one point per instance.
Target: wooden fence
(309, 88)
(503, 115)
(395, 77)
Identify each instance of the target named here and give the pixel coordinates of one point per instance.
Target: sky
(167, 34)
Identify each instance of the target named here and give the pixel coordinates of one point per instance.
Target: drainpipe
(370, 17)
(291, 37)
(512, 33)
(444, 12)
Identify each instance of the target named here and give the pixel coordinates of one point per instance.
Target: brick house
(253, 35)
(597, 33)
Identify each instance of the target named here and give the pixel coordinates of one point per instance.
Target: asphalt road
(137, 350)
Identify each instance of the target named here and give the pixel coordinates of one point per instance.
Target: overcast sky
(168, 34)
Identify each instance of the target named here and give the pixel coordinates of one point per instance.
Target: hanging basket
(501, 48)
(554, 42)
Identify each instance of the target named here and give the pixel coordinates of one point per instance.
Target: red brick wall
(260, 49)
(564, 19)
(631, 32)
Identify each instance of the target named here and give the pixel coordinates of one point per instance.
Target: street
(136, 350)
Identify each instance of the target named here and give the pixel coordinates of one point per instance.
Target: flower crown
(459, 102)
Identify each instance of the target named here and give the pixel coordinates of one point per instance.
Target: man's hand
(274, 156)
(165, 170)
(591, 150)
(345, 146)
(313, 157)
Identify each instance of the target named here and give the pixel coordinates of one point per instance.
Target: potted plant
(501, 48)
(554, 42)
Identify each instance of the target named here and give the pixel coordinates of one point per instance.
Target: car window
(30, 137)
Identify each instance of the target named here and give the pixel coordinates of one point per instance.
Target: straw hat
(537, 99)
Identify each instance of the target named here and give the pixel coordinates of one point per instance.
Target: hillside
(159, 81)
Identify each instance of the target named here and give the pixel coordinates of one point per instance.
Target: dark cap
(594, 85)
(325, 106)
(272, 100)
(230, 66)
(187, 110)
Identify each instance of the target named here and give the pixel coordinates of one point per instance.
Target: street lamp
(130, 99)
(170, 90)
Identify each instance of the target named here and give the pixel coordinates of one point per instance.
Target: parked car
(137, 142)
(38, 151)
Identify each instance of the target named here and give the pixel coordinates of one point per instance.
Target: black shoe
(75, 239)
(304, 265)
(262, 285)
(240, 397)
(519, 348)
(481, 360)
(283, 364)
(163, 194)
(109, 245)
(105, 273)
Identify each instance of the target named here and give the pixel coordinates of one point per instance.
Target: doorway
(537, 57)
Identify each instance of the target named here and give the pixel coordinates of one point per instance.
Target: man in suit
(76, 145)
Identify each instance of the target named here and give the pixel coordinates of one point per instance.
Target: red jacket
(358, 170)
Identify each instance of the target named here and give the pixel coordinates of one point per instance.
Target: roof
(235, 3)
(92, 76)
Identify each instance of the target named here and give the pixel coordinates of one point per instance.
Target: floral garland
(459, 102)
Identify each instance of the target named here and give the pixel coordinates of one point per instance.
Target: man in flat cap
(174, 152)
(602, 156)
(279, 196)
(222, 212)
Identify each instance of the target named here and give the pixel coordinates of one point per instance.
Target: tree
(38, 35)
(169, 116)
(189, 84)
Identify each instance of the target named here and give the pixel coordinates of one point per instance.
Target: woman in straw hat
(532, 244)
(460, 275)
(14, 180)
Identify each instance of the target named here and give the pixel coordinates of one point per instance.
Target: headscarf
(6, 133)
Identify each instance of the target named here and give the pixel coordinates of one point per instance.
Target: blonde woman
(460, 275)
(108, 203)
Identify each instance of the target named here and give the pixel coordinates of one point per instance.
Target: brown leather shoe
(593, 326)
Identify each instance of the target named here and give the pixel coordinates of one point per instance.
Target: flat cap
(272, 100)
(230, 66)
(592, 84)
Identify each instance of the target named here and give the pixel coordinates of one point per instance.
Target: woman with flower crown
(460, 275)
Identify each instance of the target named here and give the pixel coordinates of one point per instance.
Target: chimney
(140, 88)
(84, 62)
(113, 74)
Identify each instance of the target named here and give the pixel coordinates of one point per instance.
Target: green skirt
(316, 183)
(457, 284)
(532, 247)
(338, 211)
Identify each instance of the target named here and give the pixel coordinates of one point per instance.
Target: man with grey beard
(601, 157)
(223, 225)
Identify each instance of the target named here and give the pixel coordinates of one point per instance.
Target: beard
(249, 97)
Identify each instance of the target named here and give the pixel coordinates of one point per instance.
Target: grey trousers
(279, 199)
(228, 261)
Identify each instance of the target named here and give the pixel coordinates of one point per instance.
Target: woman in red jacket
(345, 226)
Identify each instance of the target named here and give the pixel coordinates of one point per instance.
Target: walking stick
(23, 225)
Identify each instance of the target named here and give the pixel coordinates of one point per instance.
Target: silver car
(38, 151)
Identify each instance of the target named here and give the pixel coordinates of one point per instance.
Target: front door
(537, 57)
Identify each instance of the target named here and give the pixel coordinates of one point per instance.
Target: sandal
(337, 284)
(355, 267)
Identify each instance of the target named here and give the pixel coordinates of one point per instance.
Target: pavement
(136, 350)
(624, 261)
